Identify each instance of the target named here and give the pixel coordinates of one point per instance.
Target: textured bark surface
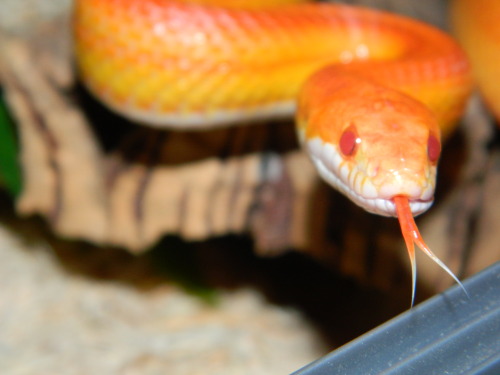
(126, 185)
(96, 177)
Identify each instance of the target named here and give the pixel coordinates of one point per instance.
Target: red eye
(433, 148)
(348, 141)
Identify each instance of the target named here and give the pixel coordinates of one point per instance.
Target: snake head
(380, 149)
(376, 146)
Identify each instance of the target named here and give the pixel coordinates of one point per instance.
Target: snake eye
(433, 148)
(348, 141)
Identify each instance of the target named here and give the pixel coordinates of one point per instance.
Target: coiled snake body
(371, 91)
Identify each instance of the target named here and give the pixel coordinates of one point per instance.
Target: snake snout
(408, 174)
(413, 180)
(412, 189)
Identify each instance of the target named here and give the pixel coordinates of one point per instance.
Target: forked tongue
(412, 236)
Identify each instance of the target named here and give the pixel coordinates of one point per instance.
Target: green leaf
(10, 172)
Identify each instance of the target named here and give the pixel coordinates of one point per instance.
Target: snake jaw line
(412, 236)
(353, 183)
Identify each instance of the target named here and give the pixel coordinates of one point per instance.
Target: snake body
(476, 23)
(371, 91)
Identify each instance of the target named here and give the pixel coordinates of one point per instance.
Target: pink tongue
(412, 236)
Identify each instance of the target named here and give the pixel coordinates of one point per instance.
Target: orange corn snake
(371, 91)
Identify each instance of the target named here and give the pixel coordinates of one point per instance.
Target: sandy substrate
(53, 321)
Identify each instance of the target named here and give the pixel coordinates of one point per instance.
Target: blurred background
(267, 292)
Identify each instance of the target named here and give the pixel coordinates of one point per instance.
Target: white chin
(379, 206)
